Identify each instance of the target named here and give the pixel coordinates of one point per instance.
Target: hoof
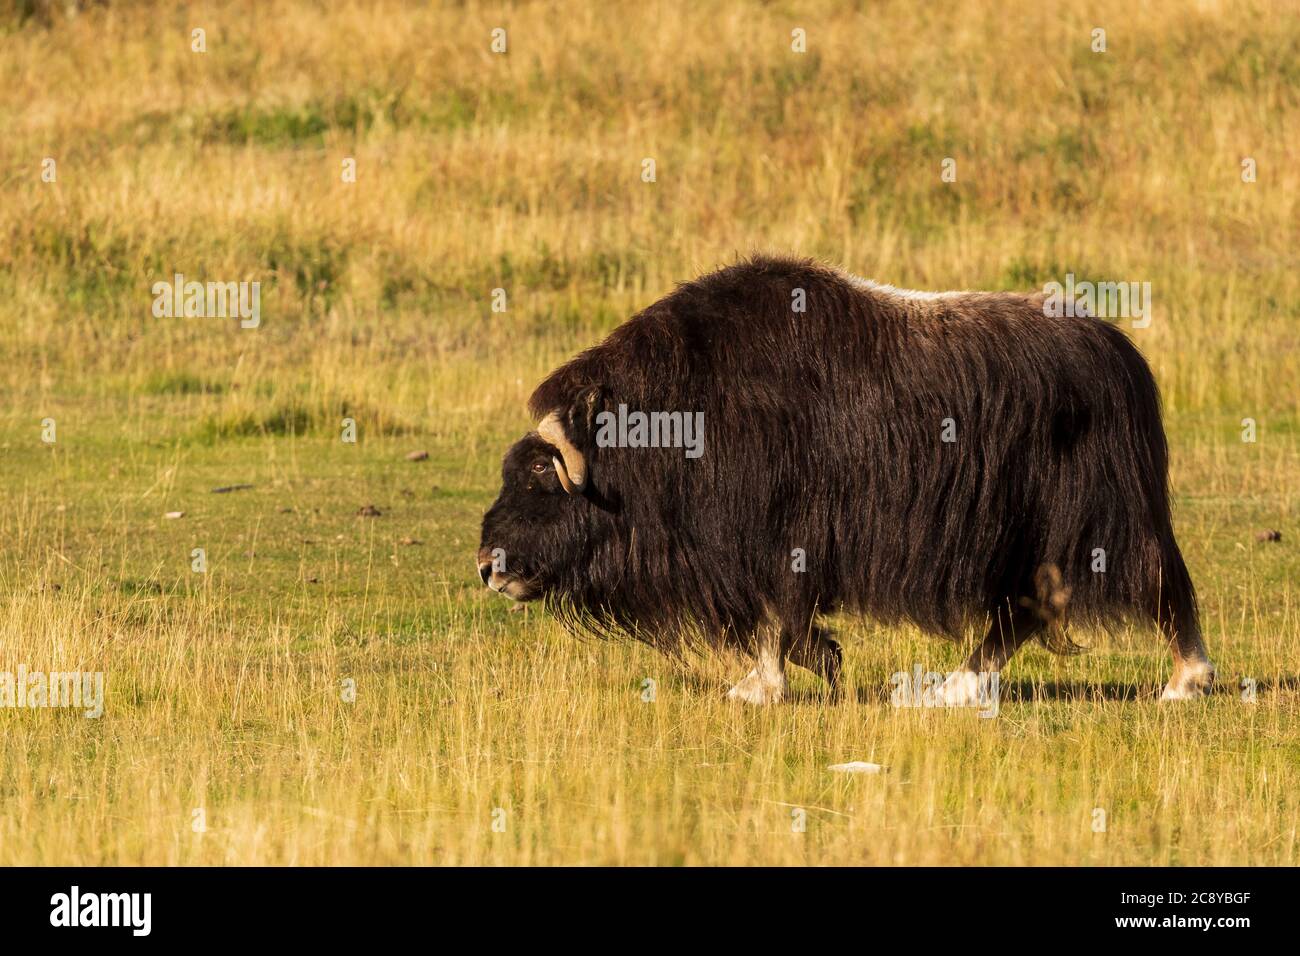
(1190, 681)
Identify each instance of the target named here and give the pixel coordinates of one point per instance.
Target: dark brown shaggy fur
(823, 432)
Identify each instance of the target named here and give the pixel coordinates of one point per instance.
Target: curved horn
(572, 471)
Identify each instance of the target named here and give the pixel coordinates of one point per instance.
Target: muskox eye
(539, 467)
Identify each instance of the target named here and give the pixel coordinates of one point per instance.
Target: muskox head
(543, 524)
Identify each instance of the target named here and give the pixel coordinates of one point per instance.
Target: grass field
(476, 735)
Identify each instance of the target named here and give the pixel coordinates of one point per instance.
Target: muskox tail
(1050, 604)
(1169, 598)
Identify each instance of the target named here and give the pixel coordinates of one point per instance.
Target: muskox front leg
(1010, 629)
(766, 683)
(814, 649)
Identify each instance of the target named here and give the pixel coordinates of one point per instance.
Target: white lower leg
(971, 686)
(961, 689)
(766, 683)
(1192, 678)
(1193, 672)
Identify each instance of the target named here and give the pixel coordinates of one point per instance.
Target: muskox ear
(582, 417)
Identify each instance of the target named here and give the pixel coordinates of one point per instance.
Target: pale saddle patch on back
(915, 300)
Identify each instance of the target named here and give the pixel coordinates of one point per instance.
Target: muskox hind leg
(1172, 603)
(1193, 672)
(1011, 627)
(766, 683)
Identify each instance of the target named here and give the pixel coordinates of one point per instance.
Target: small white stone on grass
(856, 766)
(174, 514)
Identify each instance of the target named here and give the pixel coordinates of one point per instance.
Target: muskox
(955, 459)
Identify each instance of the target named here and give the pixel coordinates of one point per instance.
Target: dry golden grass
(478, 171)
